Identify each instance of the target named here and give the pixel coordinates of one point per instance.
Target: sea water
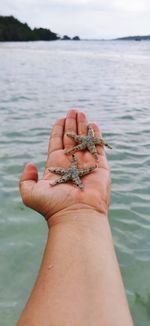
(39, 82)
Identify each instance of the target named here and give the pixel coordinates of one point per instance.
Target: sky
(87, 18)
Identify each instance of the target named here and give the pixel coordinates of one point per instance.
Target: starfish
(72, 173)
(87, 142)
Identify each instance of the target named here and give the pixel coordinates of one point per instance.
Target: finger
(27, 182)
(56, 138)
(70, 127)
(97, 131)
(82, 123)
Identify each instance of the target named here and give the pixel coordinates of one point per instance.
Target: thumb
(27, 182)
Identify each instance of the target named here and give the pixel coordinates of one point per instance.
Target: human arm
(79, 282)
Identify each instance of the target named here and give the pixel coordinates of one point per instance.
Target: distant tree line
(135, 38)
(11, 29)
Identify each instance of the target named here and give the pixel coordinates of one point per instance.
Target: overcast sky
(86, 18)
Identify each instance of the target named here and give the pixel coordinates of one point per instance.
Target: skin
(79, 282)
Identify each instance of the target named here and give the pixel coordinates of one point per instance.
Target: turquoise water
(39, 82)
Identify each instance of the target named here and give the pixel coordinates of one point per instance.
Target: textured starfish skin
(72, 173)
(88, 142)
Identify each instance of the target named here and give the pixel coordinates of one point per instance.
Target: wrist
(76, 216)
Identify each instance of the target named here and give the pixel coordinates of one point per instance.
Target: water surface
(39, 82)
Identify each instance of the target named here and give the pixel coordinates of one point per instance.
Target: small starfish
(72, 173)
(87, 142)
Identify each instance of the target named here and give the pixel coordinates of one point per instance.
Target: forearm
(79, 282)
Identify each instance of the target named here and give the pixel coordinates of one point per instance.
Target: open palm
(49, 200)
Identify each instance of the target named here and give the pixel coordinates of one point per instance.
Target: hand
(51, 200)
